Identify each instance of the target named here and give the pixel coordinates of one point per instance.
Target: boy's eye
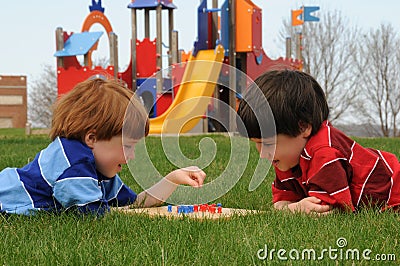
(268, 144)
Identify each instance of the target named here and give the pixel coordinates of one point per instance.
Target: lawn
(270, 237)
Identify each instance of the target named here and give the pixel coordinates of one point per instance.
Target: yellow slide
(197, 86)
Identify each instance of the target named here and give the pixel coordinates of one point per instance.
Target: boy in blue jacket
(90, 143)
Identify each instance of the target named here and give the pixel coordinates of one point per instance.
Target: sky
(27, 28)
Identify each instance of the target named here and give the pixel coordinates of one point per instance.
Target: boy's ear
(305, 129)
(90, 138)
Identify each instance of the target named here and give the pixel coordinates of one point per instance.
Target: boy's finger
(315, 200)
(194, 182)
(199, 176)
(324, 208)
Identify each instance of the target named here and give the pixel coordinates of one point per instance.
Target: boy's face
(110, 154)
(282, 151)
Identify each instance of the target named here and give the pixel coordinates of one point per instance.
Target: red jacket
(340, 172)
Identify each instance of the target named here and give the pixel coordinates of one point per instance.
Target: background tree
(327, 52)
(42, 95)
(378, 62)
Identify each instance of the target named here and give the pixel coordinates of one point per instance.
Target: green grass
(119, 239)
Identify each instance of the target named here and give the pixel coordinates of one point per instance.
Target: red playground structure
(234, 30)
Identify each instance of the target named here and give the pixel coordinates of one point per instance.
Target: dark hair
(295, 99)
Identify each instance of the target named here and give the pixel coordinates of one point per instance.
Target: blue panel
(167, 85)
(202, 25)
(151, 4)
(225, 27)
(147, 82)
(213, 10)
(147, 90)
(79, 43)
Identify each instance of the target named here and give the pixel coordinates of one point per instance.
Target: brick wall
(13, 101)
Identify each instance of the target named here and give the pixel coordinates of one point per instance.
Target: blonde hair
(100, 105)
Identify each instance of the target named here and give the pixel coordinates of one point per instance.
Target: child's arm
(328, 185)
(306, 205)
(161, 191)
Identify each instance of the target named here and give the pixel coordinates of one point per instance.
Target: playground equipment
(193, 97)
(231, 34)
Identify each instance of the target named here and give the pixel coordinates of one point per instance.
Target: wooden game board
(163, 211)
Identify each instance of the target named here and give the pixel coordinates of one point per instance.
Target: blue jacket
(61, 177)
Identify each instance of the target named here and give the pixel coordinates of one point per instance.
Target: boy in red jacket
(317, 166)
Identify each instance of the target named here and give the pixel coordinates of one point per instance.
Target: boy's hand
(192, 176)
(310, 205)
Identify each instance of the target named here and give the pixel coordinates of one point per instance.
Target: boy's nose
(267, 155)
(130, 155)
